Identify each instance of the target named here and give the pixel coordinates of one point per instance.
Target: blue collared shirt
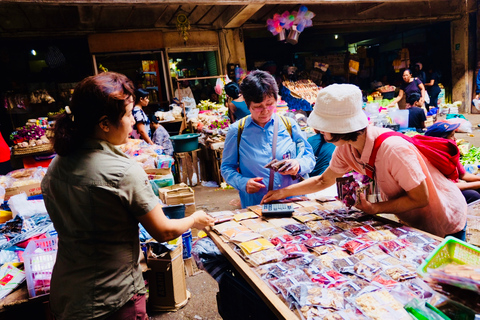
(256, 151)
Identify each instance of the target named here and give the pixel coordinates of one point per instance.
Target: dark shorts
(134, 309)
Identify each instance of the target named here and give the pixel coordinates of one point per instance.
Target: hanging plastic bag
(219, 86)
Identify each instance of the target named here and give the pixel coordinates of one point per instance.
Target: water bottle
(238, 72)
(471, 168)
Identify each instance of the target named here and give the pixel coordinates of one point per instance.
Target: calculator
(277, 210)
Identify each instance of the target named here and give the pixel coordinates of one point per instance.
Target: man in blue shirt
(323, 153)
(243, 166)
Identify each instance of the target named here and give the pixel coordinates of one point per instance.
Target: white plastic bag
(25, 208)
(465, 125)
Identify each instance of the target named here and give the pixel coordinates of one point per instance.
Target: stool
(186, 165)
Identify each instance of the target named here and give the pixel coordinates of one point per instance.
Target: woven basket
(31, 150)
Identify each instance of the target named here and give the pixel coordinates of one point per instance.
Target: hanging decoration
(296, 22)
(183, 25)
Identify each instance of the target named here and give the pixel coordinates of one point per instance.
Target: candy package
(293, 250)
(330, 279)
(280, 241)
(361, 230)
(394, 245)
(355, 245)
(265, 256)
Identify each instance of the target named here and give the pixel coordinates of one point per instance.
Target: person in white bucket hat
(409, 185)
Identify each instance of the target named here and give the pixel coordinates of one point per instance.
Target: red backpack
(442, 153)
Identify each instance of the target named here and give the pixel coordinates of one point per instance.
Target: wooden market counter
(271, 299)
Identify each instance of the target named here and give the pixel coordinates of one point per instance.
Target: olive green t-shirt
(93, 197)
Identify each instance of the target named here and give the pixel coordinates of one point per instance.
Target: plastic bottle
(238, 72)
(471, 168)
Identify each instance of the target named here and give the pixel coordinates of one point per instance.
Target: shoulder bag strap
(274, 151)
(370, 166)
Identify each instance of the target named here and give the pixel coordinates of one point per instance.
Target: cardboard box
(166, 280)
(177, 194)
(189, 209)
(29, 189)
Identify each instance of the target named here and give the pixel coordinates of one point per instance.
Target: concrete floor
(203, 288)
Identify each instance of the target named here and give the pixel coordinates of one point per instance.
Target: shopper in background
(96, 196)
(184, 91)
(237, 108)
(419, 73)
(141, 129)
(243, 165)
(323, 151)
(416, 115)
(409, 86)
(160, 136)
(412, 188)
(470, 184)
(433, 89)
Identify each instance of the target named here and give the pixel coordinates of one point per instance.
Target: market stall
(326, 262)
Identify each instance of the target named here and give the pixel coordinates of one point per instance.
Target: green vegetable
(471, 157)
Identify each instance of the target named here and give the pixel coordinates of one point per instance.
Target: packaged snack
(309, 204)
(265, 256)
(221, 216)
(328, 258)
(279, 269)
(330, 279)
(399, 273)
(256, 245)
(394, 245)
(400, 231)
(419, 239)
(245, 215)
(256, 225)
(315, 268)
(384, 281)
(381, 235)
(302, 237)
(355, 245)
(280, 222)
(230, 233)
(352, 288)
(419, 288)
(367, 269)
(318, 241)
(273, 232)
(306, 217)
(219, 228)
(301, 262)
(245, 236)
(295, 249)
(314, 295)
(361, 230)
(282, 285)
(381, 305)
(325, 249)
(345, 265)
(295, 228)
(318, 224)
(280, 241)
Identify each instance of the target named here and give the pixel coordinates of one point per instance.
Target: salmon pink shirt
(400, 168)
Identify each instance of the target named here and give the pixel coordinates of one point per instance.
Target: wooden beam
(207, 2)
(242, 16)
(375, 6)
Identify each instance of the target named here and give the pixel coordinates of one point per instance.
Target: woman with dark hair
(411, 188)
(250, 144)
(141, 129)
(237, 108)
(470, 184)
(409, 86)
(96, 196)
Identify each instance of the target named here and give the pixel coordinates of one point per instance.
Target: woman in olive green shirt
(95, 196)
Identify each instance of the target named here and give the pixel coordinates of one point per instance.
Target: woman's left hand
(289, 167)
(364, 205)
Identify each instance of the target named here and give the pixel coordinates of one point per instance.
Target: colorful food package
(381, 235)
(352, 288)
(275, 270)
(384, 281)
(245, 236)
(256, 245)
(345, 265)
(220, 228)
(381, 305)
(221, 216)
(306, 217)
(330, 279)
(367, 269)
(232, 232)
(284, 284)
(360, 243)
(328, 258)
(318, 241)
(301, 262)
(315, 268)
(245, 215)
(256, 225)
(313, 294)
(362, 230)
(324, 249)
(293, 250)
(394, 245)
(265, 256)
(280, 241)
(399, 273)
(273, 232)
(296, 228)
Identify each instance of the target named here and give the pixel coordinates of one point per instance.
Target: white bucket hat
(338, 109)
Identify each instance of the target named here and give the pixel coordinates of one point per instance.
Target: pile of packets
(328, 262)
(149, 156)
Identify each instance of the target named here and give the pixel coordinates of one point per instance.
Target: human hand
(476, 96)
(364, 205)
(254, 185)
(285, 166)
(201, 220)
(272, 196)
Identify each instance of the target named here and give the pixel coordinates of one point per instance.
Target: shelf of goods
(299, 95)
(326, 259)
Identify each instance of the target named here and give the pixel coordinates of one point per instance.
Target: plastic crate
(39, 258)
(451, 250)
